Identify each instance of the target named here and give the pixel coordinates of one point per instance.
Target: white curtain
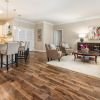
(24, 34)
(57, 37)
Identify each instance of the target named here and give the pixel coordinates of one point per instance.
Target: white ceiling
(56, 11)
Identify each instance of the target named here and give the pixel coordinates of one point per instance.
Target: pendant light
(7, 9)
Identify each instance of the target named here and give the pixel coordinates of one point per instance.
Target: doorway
(57, 37)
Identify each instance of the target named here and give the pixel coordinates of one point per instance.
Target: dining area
(11, 52)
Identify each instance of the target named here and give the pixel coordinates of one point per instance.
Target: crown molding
(24, 21)
(46, 22)
(80, 20)
(43, 22)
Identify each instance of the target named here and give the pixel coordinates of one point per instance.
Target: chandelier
(9, 27)
(7, 32)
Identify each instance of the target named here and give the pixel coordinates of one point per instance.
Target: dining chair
(23, 51)
(3, 49)
(9, 53)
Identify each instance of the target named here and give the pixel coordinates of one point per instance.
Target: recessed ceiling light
(1, 11)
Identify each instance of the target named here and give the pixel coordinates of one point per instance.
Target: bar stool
(11, 50)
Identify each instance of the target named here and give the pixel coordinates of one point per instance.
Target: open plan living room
(49, 49)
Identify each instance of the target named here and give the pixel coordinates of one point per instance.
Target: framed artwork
(94, 33)
(39, 34)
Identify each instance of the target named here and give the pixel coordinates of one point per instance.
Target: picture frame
(39, 34)
(94, 33)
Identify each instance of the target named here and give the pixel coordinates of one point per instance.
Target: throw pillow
(67, 46)
(52, 46)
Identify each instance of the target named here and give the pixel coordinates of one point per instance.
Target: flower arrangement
(84, 48)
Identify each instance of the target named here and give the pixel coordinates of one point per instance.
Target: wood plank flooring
(38, 81)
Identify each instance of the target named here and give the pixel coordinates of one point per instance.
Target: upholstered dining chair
(9, 53)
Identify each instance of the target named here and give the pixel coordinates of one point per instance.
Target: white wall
(1, 30)
(23, 23)
(38, 44)
(71, 31)
(24, 31)
(47, 35)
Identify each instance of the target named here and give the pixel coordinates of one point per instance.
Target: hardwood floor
(38, 81)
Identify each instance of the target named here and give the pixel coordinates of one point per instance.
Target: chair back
(22, 43)
(47, 46)
(27, 45)
(3, 48)
(12, 48)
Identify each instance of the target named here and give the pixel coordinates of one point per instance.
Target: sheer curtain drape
(57, 37)
(24, 34)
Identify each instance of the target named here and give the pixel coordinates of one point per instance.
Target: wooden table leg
(7, 62)
(1, 60)
(75, 57)
(83, 58)
(95, 59)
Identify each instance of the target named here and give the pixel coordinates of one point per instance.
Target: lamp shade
(82, 35)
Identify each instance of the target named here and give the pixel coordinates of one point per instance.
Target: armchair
(66, 49)
(52, 54)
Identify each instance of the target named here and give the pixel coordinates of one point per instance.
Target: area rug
(88, 68)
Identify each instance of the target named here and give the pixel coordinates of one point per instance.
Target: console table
(92, 46)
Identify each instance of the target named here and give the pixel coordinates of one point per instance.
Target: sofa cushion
(67, 46)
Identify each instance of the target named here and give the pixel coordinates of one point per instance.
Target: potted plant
(81, 39)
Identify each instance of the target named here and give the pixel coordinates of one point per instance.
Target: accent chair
(52, 52)
(65, 48)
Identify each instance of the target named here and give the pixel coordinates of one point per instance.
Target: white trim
(79, 20)
(24, 21)
(62, 33)
(40, 50)
(44, 22)
(58, 30)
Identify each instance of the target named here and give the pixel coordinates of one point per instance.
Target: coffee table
(91, 55)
